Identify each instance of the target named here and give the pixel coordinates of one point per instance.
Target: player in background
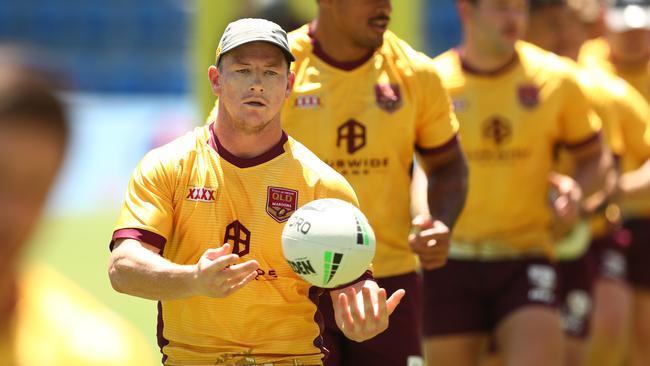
(364, 101)
(622, 316)
(515, 103)
(624, 50)
(561, 28)
(226, 182)
(45, 319)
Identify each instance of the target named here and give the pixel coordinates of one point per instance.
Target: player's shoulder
(447, 61)
(178, 150)
(404, 55)
(314, 169)
(596, 48)
(546, 65)
(532, 56)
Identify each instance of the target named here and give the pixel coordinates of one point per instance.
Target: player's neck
(246, 145)
(334, 44)
(640, 62)
(485, 60)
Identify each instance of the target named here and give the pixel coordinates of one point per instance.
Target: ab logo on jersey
(353, 134)
(388, 97)
(239, 237)
(281, 203)
(528, 95)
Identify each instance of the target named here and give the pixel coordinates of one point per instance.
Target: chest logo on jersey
(201, 194)
(239, 238)
(528, 95)
(352, 134)
(497, 129)
(388, 97)
(307, 101)
(281, 203)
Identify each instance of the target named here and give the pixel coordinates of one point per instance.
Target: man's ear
(290, 80)
(214, 77)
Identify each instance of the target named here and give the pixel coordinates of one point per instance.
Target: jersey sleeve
(436, 123)
(147, 212)
(579, 124)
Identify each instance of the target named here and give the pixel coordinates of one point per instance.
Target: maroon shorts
(474, 296)
(576, 278)
(624, 254)
(399, 345)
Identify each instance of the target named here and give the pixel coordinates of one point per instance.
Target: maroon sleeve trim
(439, 149)
(142, 235)
(576, 145)
(367, 275)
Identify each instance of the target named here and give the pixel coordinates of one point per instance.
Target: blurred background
(137, 73)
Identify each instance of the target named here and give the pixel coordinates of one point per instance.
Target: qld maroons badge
(528, 95)
(281, 203)
(388, 97)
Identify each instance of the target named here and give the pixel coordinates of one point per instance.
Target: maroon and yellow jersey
(596, 53)
(366, 120)
(191, 195)
(510, 122)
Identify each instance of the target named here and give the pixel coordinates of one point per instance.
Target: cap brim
(241, 42)
(624, 19)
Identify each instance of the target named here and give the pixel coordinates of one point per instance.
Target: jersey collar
(272, 153)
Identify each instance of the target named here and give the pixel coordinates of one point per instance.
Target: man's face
(557, 29)
(30, 157)
(252, 83)
(497, 24)
(361, 21)
(630, 46)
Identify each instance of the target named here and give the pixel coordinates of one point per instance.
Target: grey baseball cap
(248, 30)
(624, 15)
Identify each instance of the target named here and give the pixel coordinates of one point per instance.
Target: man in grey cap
(238, 302)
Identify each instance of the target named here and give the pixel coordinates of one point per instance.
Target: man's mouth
(255, 104)
(379, 23)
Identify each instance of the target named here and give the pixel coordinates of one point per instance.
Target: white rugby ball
(328, 242)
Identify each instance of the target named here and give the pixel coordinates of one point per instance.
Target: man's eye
(243, 71)
(271, 73)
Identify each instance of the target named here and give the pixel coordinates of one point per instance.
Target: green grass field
(78, 248)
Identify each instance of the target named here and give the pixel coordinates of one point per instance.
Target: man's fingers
(346, 314)
(248, 278)
(394, 300)
(214, 253)
(382, 310)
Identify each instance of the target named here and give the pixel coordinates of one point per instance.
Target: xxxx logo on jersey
(201, 194)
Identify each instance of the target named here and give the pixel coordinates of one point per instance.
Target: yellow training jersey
(510, 122)
(366, 119)
(191, 195)
(58, 324)
(596, 53)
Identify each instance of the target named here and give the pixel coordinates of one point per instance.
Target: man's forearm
(447, 191)
(137, 271)
(636, 183)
